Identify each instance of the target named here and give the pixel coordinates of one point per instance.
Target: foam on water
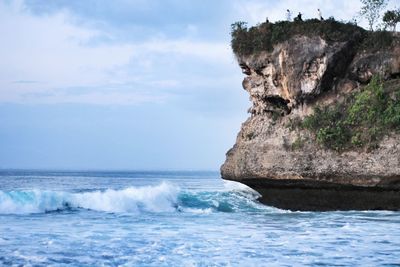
(132, 199)
(164, 197)
(194, 219)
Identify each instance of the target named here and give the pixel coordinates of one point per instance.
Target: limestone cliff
(286, 164)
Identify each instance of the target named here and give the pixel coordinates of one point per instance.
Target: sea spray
(164, 197)
(193, 219)
(33, 201)
(158, 198)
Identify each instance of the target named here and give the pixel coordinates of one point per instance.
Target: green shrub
(360, 122)
(374, 41)
(328, 125)
(391, 116)
(263, 37)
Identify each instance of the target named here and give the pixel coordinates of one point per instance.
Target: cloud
(150, 51)
(143, 19)
(25, 82)
(94, 98)
(59, 54)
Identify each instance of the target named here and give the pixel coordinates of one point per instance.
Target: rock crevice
(284, 164)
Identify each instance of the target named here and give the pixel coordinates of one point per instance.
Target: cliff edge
(324, 129)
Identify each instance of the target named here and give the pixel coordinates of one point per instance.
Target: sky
(127, 84)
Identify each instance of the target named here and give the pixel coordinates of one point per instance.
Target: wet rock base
(321, 196)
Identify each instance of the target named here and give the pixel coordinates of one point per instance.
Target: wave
(161, 198)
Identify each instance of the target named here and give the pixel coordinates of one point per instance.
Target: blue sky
(127, 84)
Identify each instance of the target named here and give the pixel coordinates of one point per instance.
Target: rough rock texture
(288, 82)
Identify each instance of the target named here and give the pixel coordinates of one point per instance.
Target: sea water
(176, 219)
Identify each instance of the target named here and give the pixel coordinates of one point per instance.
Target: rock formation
(285, 85)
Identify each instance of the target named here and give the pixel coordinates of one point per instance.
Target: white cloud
(95, 98)
(52, 59)
(53, 54)
(216, 52)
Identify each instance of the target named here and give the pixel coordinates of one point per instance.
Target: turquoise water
(176, 219)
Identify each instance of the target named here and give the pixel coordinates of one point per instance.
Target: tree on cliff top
(391, 18)
(371, 10)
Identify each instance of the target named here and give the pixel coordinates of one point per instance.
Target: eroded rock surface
(287, 84)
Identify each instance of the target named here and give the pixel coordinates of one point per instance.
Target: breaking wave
(161, 198)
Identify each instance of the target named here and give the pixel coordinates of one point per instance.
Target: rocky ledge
(296, 79)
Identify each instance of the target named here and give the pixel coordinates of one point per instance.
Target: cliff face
(287, 165)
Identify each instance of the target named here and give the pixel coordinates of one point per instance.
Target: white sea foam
(151, 198)
(158, 198)
(197, 211)
(164, 197)
(235, 186)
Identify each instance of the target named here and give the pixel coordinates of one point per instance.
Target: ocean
(65, 218)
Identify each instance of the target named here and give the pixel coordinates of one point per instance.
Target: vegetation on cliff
(361, 121)
(371, 10)
(363, 118)
(247, 41)
(391, 18)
